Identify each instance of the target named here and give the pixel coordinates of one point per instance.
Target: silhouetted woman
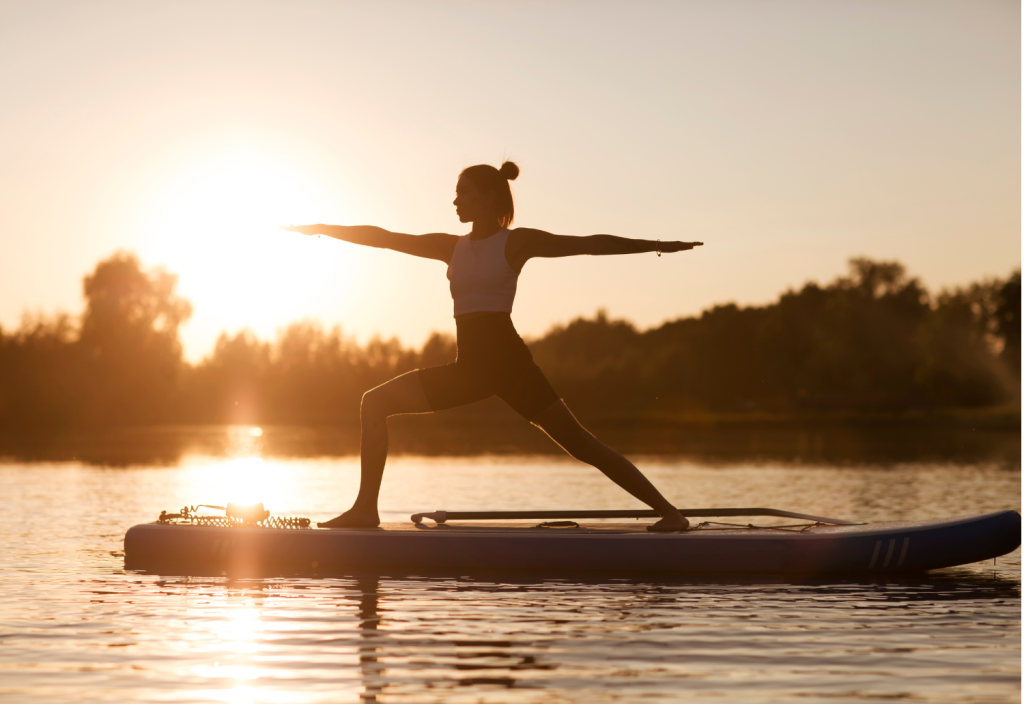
(483, 268)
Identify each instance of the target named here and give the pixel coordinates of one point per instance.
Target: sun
(215, 224)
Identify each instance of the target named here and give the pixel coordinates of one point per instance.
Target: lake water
(75, 626)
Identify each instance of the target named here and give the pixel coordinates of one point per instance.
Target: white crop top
(481, 279)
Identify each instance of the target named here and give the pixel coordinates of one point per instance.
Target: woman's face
(472, 204)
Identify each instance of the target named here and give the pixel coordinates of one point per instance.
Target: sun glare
(215, 224)
(243, 480)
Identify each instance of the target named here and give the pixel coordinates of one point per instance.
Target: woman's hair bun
(509, 170)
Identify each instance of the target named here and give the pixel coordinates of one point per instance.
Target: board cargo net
(234, 516)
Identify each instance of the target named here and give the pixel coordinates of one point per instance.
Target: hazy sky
(788, 136)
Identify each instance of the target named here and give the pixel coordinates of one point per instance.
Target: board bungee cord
(235, 515)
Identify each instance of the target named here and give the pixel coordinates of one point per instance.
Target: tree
(129, 337)
(961, 367)
(41, 373)
(1007, 317)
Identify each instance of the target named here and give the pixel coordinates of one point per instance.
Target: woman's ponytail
(509, 170)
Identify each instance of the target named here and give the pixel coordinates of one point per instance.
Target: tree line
(872, 341)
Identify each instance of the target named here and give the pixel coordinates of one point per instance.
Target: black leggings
(492, 361)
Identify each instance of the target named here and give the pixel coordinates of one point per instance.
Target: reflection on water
(379, 639)
(75, 626)
(504, 641)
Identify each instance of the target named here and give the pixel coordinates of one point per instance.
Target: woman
(483, 269)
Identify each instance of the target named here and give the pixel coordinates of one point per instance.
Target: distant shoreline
(977, 437)
(996, 418)
(488, 413)
(823, 356)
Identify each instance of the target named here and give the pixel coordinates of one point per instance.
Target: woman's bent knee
(373, 405)
(403, 394)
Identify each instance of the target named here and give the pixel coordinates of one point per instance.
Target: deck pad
(583, 528)
(640, 527)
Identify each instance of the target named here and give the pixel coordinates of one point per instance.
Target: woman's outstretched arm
(433, 246)
(529, 243)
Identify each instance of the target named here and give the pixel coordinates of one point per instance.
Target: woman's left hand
(667, 247)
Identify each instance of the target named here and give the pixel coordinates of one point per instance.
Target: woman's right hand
(302, 229)
(436, 245)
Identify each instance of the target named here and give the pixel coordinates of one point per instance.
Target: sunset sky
(788, 136)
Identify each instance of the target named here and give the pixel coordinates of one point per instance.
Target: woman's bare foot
(670, 524)
(353, 519)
